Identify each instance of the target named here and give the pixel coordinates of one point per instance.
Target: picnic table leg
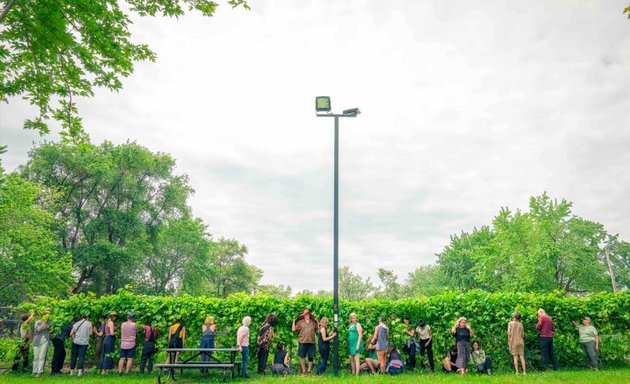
(232, 360)
(160, 376)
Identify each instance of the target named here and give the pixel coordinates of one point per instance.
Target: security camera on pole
(323, 109)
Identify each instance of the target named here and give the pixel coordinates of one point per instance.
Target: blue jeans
(245, 356)
(324, 352)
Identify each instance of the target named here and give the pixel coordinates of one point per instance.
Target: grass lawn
(605, 376)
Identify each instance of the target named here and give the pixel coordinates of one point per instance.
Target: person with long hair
(462, 333)
(516, 341)
(324, 344)
(176, 338)
(355, 344)
(109, 344)
(263, 341)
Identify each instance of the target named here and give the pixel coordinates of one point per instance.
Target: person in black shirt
(281, 361)
(462, 333)
(450, 359)
(59, 344)
(324, 344)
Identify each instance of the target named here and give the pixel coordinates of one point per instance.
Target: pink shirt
(128, 331)
(242, 336)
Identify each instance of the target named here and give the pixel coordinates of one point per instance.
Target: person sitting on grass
(281, 361)
(395, 364)
(480, 360)
(450, 359)
(371, 361)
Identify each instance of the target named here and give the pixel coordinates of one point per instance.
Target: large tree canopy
(52, 51)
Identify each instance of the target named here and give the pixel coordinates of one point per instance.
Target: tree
(619, 254)
(279, 291)
(391, 287)
(53, 51)
(31, 262)
(352, 286)
(425, 280)
(180, 242)
(111, 201)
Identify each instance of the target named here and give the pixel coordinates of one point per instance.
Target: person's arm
(169, 335)
(184, 337)
(360, 332)
(373, 339)
(539, 324)
(112, 328)
(596, 341)
(72, 332)
(410, 332)
(430, 338)
(287, 359)
(294, 327)
(454, 329)
(472, 333)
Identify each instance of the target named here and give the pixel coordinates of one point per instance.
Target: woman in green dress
(355, 344)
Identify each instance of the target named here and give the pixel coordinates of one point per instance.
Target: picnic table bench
(192, 361)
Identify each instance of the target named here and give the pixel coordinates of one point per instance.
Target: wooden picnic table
(193, 362)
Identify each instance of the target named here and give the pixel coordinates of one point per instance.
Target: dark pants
(98, 349)
(107, 362)
(263, 355)
(324, 352)
(59, 355)
(77, 351)
(21, 358)
(429, 351)
(546, 353)
(245, 356)
(148, 350)
(486, 366)
(206, 342)
(411, 362)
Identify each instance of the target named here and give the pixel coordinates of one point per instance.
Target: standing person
(26, 337)
(176, 338)
(281, 361)
(589, 341)
(208, 329)
(381, 338)
(41, 340)
(99, 332)
(410, 346)
(128, 332)
(242, 341)
(480, 360)
(306, 339)
(355, 344)
(80, 334)
(462, 333)
(324, 344)
(59, 347)
(516, 341)
(263, 341)
(148, 347)
(425, 337)
(546, 329)
(109, 344)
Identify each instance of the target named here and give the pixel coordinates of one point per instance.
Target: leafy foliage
(488, 314)
(53, 51)
(352, 286)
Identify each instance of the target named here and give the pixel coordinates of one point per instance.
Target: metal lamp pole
(347, 113)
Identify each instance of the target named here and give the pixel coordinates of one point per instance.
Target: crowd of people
(367, 351)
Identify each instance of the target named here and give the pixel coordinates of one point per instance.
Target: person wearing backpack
(148, 347)
(80, 334)
(176, 338)
(265, 335)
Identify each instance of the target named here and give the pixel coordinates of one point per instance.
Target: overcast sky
(467, 106)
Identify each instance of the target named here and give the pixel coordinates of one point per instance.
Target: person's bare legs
(310, 367)
(371, 365)
(447, 364)
(515, 358)
(352, 363)
(302, 365)
(129, 363)
(523, 365)
(357, 363)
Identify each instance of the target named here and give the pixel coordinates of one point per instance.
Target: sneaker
(80, 372)
(489, 371)
(72, 372)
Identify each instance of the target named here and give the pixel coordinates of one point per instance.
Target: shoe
(80, 372)
(72, 372)
(489, 371)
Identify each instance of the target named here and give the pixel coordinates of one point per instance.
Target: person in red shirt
(148, 347)
(546, 329)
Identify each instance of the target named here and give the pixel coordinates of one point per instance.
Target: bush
(488, 315)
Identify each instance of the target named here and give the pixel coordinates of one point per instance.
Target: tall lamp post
(323, 109)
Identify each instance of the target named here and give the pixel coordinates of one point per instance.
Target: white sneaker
(80, 372)
(72, 372)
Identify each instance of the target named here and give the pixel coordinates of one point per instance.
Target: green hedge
(488, 315)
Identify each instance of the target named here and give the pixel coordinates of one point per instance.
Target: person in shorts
(381, 339)
(306, 327)
(128, 332)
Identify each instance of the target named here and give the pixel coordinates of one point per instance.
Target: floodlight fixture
(322, 104)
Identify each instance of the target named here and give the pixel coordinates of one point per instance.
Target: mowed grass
(604, 376)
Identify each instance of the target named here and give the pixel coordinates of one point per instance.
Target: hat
(113, 313)
(131, 315)
(306, 312)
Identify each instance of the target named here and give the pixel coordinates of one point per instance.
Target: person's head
(179, 320)
(475, 345)
(405, 320)
(102, 318)
(392, 348)
(208, 321)
(84, 316)
(247, 321)
(461, 322)
(280, 346)
(353, 318)
(421, 323)
(306, 314)
(381, 320)
(271, 319)
(25, 317)
(586, 321)
(541, 312)
(453, 348)
(131, 316)
(113, 315)
(517, 316)
(323, 322)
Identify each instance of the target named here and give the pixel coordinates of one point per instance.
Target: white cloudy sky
(467, 106)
